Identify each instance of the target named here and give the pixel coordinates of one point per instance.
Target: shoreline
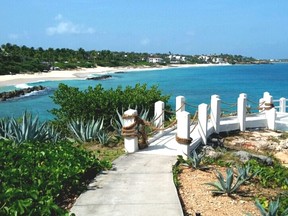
(82, 73)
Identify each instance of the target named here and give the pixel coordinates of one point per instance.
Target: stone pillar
(183, 133)
(282, 105)
(241, 111)
(202, 121)
(159, 115)
(180, 105)
(215, 112)
(129, 131)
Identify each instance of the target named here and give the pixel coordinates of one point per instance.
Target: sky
(257, 28)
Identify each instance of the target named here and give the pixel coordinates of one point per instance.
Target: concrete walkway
(140, 184)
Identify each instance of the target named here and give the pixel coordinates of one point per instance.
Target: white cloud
(68, 27)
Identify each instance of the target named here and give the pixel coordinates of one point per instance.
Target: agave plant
(27, 130)
(103, 137)
(246, 173)
(53, 135)
(195, 159)
(5, 128)
(226, 186)
(272, 209)
(117, 124)
(85, 131)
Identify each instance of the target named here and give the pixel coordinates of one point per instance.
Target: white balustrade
(215, 112)
(241, 111)
(203, 121)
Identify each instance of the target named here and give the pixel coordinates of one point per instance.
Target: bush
(35, 178)
(96, 103)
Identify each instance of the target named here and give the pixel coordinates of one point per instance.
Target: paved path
(140, 184)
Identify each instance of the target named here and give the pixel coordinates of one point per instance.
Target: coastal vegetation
(97, 102)
(44, 166)
(232, 181)
(16, 59)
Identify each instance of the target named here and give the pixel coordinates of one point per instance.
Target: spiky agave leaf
(226, 186)
(229, 180)
(85, 131)
(273, 207)
(260, 207)
(246, 173)
(218, 186)
(27, 130)
(5, 128)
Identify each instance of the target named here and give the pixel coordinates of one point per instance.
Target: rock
(245, 156)
(99, 77)
(17, 93)
(282, 157)
(209, 151)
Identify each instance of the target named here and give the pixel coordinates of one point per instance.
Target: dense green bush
(97, 102)
(35, 178)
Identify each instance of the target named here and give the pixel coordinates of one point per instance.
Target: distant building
(204, 58)
(155, 60)
(176, 59)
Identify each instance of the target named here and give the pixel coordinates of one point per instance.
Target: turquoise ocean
(197, 84)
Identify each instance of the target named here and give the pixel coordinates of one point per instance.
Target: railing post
(215, 112)
(268, 100)
(271, 118)
(183, 133)
(202, 121)
(180, 105)
(129, 131)
(159, 115)
(270, 110)
(241, 111)
(282, 105)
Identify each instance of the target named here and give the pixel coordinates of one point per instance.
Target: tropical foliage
(85, 131)
(18, 59)
(35, 178)
(226, 186)
(97, 102)
(27, 130)
(273, 209)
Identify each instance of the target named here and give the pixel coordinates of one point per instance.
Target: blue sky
(257, 28)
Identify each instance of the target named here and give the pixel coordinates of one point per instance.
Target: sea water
(196, 84)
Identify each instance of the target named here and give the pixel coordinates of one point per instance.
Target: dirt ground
(196, 196)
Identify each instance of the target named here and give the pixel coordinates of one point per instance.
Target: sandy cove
(82, 73)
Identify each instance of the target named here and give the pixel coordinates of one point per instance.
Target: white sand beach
(82, 73)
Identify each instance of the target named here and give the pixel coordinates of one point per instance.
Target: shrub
(36, 177)
(270, 176)
(100, 103)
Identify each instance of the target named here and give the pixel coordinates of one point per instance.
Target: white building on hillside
(155, 60)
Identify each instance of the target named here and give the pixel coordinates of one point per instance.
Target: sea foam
(23, 85)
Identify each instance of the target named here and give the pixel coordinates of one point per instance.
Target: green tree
(98, 102)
